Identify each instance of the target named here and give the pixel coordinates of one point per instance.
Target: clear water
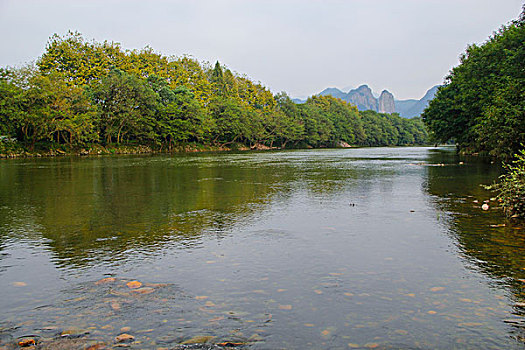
(316, 249)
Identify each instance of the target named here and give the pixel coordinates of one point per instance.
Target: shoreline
(99, 150)
(119, 150)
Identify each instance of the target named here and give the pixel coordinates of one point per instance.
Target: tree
(481, 105)
(85, 92)
(126, 107)
(229, 118)
(180, 116)
(80, 61)
(10, 103)
(510, 187)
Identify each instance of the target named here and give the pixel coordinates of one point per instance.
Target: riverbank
(20, 152)
(14, 150)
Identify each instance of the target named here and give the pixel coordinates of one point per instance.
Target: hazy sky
(299, 46)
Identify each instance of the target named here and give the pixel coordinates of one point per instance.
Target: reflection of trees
(98, 209)
(497, 251)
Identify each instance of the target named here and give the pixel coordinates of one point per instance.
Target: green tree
(126, 107)
(229, 118)
(80, 61)
(481, 105)
(10, 103)
(511, 187)
(344, 117)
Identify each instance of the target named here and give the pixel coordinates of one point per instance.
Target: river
(310, 249)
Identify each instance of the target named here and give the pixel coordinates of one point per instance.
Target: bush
(511, 187)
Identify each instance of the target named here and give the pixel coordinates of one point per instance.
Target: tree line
(80, 93)
(481, 107)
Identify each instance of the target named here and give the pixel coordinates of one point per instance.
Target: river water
(313, 249)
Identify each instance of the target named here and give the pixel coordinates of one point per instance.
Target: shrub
(510, 187)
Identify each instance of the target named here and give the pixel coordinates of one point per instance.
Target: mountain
(298, 100)
(403, 106)
(364, 98)
(385, 102)
(335, 92)
(414, 108)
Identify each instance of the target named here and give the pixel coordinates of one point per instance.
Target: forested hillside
(82, 93)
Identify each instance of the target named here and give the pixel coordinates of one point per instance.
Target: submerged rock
(200, 339)
(134, 284)
(26, 342)
(124, 338)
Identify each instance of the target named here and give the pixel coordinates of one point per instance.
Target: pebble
(134, 284)
(26, 342)
(19, 284)
(124, 338)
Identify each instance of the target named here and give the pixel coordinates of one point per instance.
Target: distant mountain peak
(330, 90)
(429, 95)
(385, 103)
(335, 92)
(363, 87)
(414, 108)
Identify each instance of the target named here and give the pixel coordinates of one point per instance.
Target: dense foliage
(482, 104)
(511, 187)
(83, 93)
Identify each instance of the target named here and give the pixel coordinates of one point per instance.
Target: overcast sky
(297, 46)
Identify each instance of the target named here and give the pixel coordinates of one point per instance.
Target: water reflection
(300, 249)
(495, 245)
(104, 207)
(488, 242)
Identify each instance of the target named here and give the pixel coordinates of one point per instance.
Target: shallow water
(316, 249)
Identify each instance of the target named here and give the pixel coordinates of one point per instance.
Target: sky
(297, 46)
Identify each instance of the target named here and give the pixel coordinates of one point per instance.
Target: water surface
(331, 249)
